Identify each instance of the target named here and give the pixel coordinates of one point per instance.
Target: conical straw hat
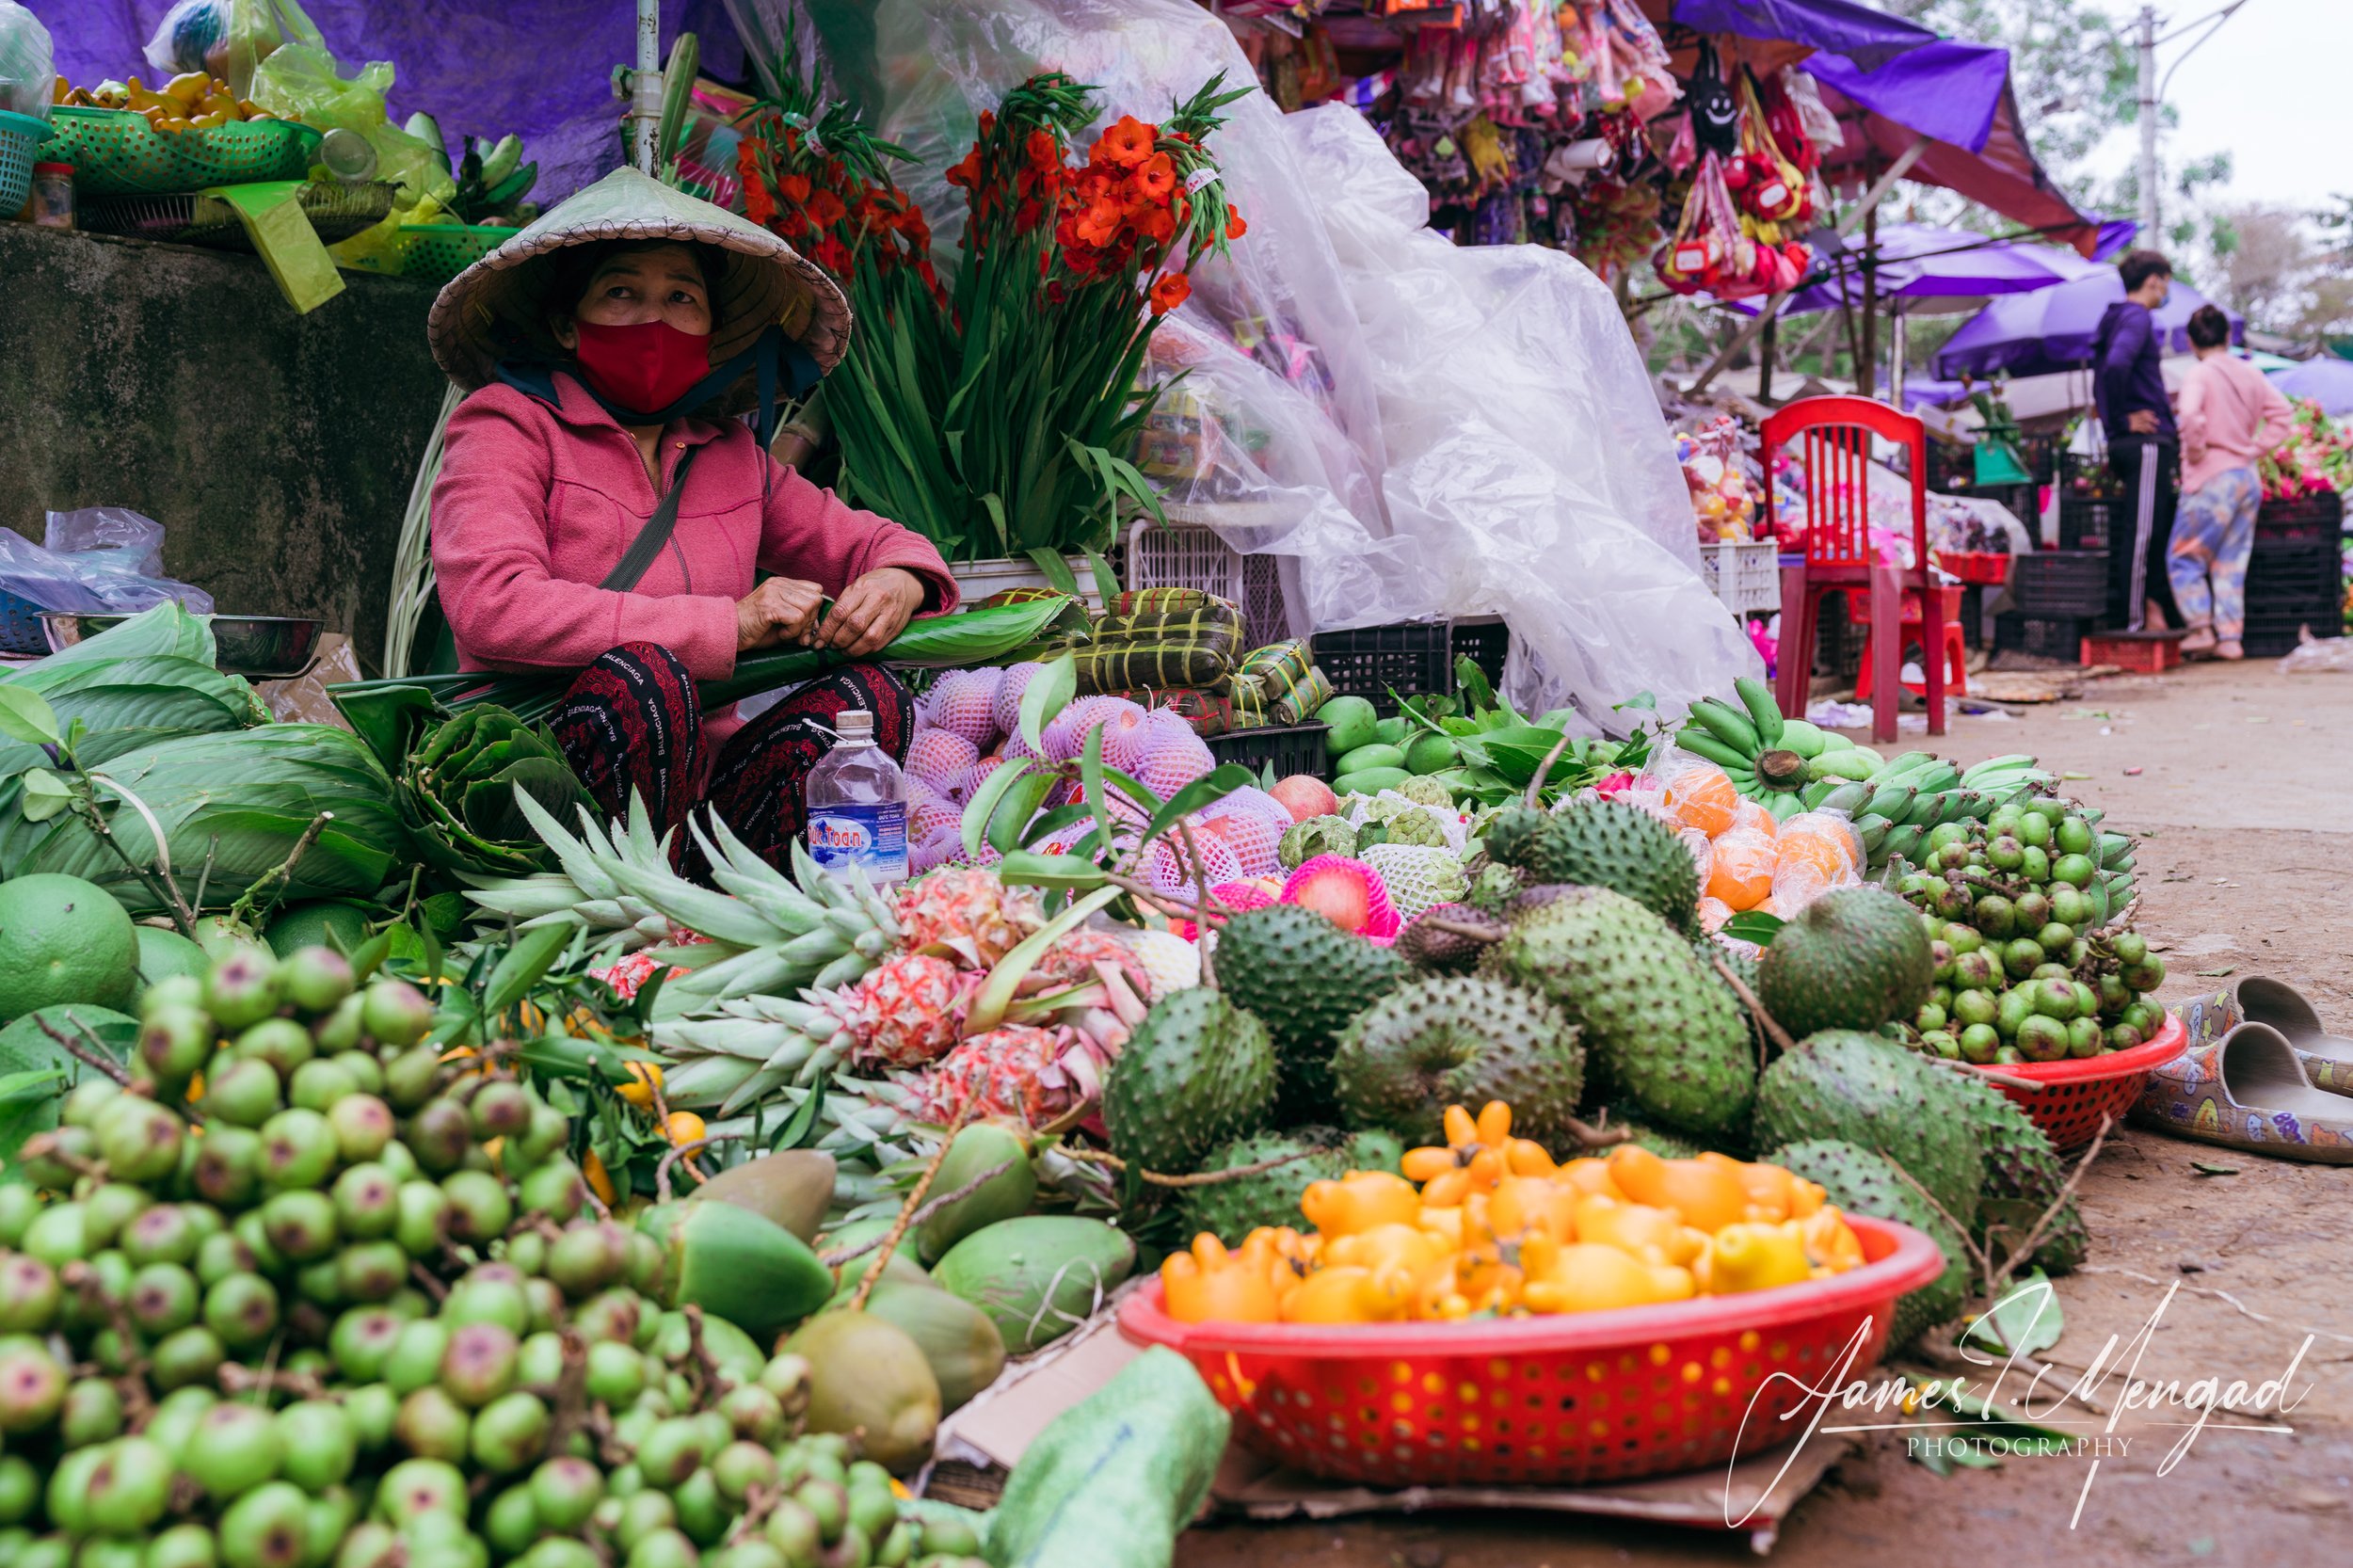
(498, 306)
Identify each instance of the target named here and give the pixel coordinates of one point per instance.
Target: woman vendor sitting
(585, 343)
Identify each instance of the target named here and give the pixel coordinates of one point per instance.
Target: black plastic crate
(2314, 519)
(1381, 664)
(2047, 637)
(1288, 748)
(1488, 641)
(2272, 635)
(2086, 522)
(2307, 571)
(2058, 583)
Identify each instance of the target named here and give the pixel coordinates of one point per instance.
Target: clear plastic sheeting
(1527, 455)
(1428, 431)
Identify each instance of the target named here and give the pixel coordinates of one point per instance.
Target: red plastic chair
(1943, 641)
(1833, 436)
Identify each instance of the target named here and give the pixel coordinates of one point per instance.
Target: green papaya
(977, 1150)
(1368, 781)
(1112, 1481)
(1037, 1277)
(735, 1265)
(957, 1338)
(1380, 755)
(792, 1188)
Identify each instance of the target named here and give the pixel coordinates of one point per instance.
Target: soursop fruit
(1303, 841)
(1427, 789)
(2024, 1176)
(1604, 845)
(1875, 1094)
(1304, 979)
(1425, 947)
(1860, 1182)
(1198, 1072)
(1417, 875)
(1659, 1029)
(1461, 1040)
(1742, 963)
(1232, 1210)
(1854, 959)
(1418, 826)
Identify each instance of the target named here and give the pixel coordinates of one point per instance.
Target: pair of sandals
(2202, 644)
(2261, 1074)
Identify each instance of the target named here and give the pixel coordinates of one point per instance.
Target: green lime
(63, 939)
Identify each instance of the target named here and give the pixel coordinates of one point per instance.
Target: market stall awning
(1891, 84)
(1924, 262)
(2035, 334)
(2328, 381)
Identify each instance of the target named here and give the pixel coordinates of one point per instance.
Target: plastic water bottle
(858, 805)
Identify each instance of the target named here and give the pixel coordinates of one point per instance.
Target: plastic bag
(257, 29)
(29, 72)
(102, 560)
(192, 36)
(303, 79)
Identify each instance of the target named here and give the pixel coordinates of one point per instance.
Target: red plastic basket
(1565, 1399)
(1987, 567)
(2078, 1093)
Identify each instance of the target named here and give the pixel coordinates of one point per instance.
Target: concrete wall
(276, 449)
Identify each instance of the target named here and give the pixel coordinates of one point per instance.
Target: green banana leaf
(255, 792)
(128, 703)
(166, 629)
(381, 710)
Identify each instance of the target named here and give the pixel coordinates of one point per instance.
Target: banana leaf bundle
(241, 799)
(148, 681)
(381, 710)
(458, 788)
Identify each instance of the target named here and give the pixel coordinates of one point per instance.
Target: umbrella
(2326, 381)
(1920, 262)
(2035, 334)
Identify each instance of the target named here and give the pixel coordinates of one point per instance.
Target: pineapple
(965, 912)
(908, 1011)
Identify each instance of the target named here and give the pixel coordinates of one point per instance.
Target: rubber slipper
(2328, 1058)
(2249, 1091)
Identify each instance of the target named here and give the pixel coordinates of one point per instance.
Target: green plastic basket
(115, 153)
(19, 134)
(438, 252)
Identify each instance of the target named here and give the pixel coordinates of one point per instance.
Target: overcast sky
(2271, 87)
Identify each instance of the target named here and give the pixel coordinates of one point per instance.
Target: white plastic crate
(1190, 556)
(1745, 574)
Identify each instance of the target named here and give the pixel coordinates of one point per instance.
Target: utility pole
(2148, 98)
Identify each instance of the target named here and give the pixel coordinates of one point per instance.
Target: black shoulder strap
(630, 569)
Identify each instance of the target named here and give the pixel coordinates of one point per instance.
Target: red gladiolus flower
(1026, 216)
(966, 173)
(826, 209)
(1156, 224)
(1045, 156)
(1170, 292)
(988, 123)
(1156, 179)
(1235, 227)
(1127, 144)
(1098, 223)
(794, 189)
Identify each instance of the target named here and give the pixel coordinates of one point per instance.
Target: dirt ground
(2237, 777)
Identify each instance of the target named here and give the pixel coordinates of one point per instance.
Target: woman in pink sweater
(589, 344)
(2229, 415)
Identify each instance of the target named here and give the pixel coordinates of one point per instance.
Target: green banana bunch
(1765, 755)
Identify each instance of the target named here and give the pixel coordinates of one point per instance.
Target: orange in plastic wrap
(1750, 817)
(1701, 796)
(1714, 912)
(1824, 843)
(1703, 850)
(1741, 869)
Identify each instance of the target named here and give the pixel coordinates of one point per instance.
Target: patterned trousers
(631, 723)
(2214, 534)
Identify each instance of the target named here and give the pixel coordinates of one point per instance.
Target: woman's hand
(781, 610)
(872, 611)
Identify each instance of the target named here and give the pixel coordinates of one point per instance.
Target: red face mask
(644, 368)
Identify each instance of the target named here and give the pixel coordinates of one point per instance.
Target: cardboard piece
(979, 1445)
(304, 699)
(280, 230)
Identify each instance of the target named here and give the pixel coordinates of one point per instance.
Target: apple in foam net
(1304, 795)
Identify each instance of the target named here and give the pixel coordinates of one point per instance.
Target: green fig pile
(302, 1294)
(2018, 911)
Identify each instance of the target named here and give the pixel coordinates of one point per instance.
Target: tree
(2279, 274)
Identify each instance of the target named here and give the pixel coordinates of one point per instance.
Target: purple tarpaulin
(539, 69)
(1868, 37)
(2326, 381)
(1920, 261)
(2036, 334)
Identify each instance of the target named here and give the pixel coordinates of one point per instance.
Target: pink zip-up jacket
(535, 504)
(2230, 414)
